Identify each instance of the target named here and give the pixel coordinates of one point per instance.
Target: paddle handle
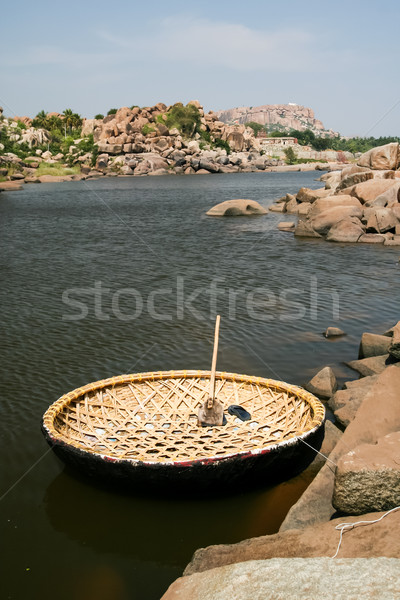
(214, 364)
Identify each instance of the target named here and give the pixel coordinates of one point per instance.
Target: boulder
(323, 384)
(346, 171)
(373, 345)
(208, 165)
(369, 366)
(348, 230)
(345, 403)
(322, 539)
(291, 206)
(203, 172)
(354, 179)
(304, 209)
(363, 382)
(307, 195)
(381, 220)
(305, 229)
(280, 208)
(368, 478)
(102, 161)
(323, 204)
(331, 332)
(395, 241)
(290, 579)
(382, 157)
(234, 208)
(372, 238)
(287, 226)
(390, 197)
(369, 190)
(394, 349)
(325, 220)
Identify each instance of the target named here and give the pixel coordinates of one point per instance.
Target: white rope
(342, 527)
(317, 451)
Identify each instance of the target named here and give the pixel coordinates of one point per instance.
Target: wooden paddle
(211, 413)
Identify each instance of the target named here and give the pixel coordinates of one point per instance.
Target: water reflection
(163, 530)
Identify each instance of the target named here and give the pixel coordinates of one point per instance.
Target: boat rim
(53, 410)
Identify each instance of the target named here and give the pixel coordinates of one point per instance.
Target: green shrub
(146, 129)
(256, 127)
(56, 169)
(185, 118)
(99, 117)
(222, 144)
(112, 111)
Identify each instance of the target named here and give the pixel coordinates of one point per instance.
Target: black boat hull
(275, 463)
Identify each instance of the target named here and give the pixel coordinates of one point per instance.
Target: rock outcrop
(285, 116)
(359, 204)
(236, 208)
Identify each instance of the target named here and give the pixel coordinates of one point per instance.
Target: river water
(126, 275)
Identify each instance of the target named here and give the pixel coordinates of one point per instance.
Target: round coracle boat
(143, 429)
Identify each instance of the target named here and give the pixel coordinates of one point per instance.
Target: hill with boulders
(277, 117)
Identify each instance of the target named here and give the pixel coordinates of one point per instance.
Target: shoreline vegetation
(159, 140)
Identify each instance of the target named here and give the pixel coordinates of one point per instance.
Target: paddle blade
(211, 417)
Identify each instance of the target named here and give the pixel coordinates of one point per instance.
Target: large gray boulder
(368, 478)
(234, 208)
(383, 157)
(292, 579)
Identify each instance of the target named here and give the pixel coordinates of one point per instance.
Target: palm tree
(68, 118)
(41, 120)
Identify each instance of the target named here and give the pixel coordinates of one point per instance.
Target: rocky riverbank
(144, 141)
(360, 481)
(359, 203)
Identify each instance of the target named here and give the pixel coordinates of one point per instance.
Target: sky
(339, 58)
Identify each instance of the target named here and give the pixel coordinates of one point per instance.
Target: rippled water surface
(125, 275)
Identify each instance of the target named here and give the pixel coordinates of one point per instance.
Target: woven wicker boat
(143, 429)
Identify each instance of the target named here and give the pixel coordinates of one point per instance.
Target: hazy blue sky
(339, 58)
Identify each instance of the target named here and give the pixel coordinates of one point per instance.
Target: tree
(40, 120)
(71, 120)
(291, 158)
(256, 127)
(112, 111)
(99, 117)
(68, 118)
(185, 118)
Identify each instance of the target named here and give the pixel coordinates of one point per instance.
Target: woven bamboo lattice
(152, 417)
